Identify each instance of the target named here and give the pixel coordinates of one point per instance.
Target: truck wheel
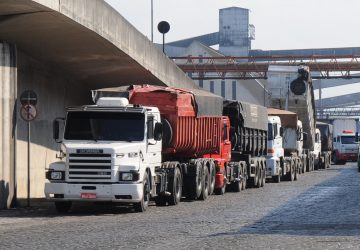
(312, 163)
(328, 162)
(175, 185)
(144, 203)
(206, 184)
(212, 177)
(160, 201)
(335, 160)
(195, 180)
(259, 176)
(263, 179)
(276, 179)
(291, 174)
(220, 191)
(63, 207)
(303, 165)
(297, 171)
(244, 175)
(237, 185)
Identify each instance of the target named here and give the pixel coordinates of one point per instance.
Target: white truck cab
(345, 147)
(275, 147)
(109, 153)
(317, 149)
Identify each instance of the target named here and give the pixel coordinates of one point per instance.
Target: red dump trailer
(193, 135)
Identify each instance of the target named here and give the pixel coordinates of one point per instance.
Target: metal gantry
(333, 112)
(327, 67)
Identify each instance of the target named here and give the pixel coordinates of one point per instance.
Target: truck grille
(90, 167)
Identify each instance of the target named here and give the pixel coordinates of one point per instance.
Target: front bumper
(127, 192)
(272, 168)
(348, 157)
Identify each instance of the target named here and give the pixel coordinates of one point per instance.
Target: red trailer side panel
(192, 136)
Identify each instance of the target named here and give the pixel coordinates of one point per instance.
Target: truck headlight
(55, 175)
(133, 154)
(126, 176)
(129, 176)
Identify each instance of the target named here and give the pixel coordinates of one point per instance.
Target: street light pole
(152, 20)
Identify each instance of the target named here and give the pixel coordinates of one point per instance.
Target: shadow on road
(48, 210)
(331, 208)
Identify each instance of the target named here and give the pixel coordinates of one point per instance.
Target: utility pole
(152, 20)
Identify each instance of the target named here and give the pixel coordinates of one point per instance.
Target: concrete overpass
(61, 49)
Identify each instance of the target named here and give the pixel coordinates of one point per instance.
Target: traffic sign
(28, 97)
(28, 112)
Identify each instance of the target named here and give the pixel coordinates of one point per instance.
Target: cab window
(150, 127)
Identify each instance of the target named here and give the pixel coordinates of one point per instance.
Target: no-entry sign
(28, 112)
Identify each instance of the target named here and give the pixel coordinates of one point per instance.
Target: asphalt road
(319, 211)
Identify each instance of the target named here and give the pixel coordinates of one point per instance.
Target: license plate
(88, 196)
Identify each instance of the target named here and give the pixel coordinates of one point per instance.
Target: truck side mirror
(281, 131)
(56, 129)
(158, 131)
(357, 136)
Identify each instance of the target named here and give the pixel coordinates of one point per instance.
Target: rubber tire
(263, 179)
(296, 171)
(195, 181)
(144, 203)
(237, 185)
(259, 176)
(254, 181)
(244, 180)
(303, 166)
(212, 177)
(220, 191)
(206, 184)
(336, 160)
(276, 178)
(160, 201)
(63, 207)
(291, 174)
(175, 185)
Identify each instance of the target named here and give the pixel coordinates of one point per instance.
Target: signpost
(28, 113)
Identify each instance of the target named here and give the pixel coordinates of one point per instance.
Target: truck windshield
(270, 132)
(348, 139)
(107, 126)
(323, 130)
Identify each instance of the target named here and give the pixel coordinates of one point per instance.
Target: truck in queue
(290, 89)
(324, 133)
(142, 143)
(286, 156)
(345, 147)
(248, 133)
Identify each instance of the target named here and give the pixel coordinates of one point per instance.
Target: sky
(279, 24)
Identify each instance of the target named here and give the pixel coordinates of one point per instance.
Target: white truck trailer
(290, 89)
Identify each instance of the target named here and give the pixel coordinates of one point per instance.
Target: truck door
(226, 151)
(153, 152)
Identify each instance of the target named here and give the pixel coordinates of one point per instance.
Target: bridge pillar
(8, 93)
